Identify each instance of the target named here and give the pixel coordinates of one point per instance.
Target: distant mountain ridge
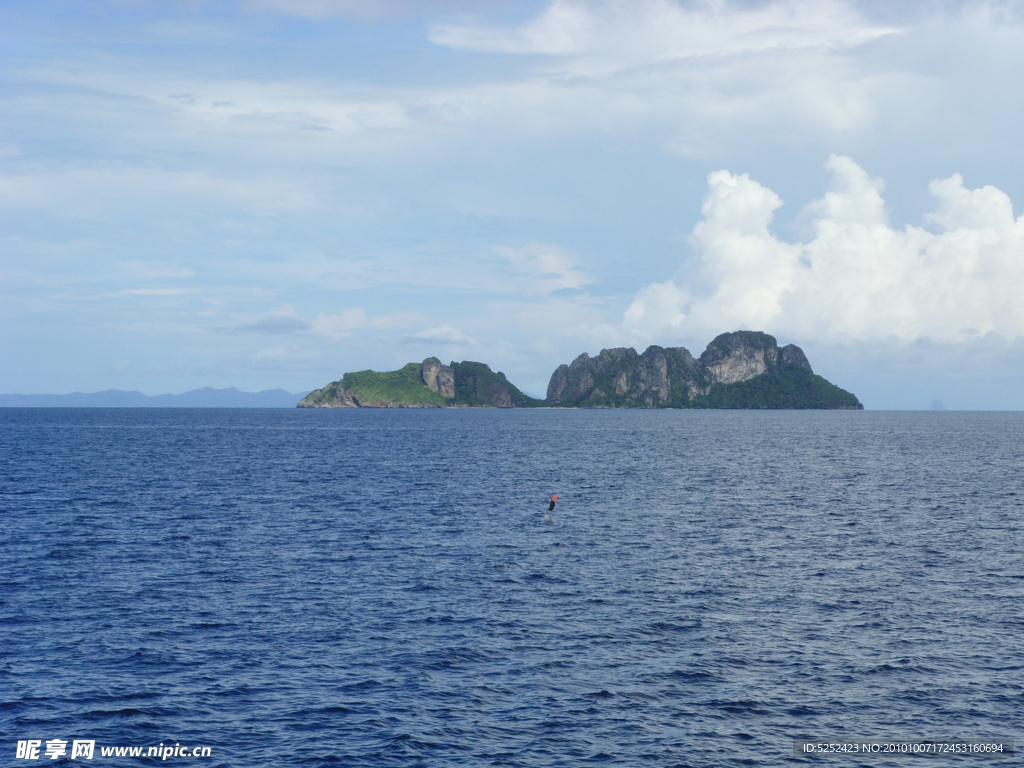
(206, 397)
(742, 369)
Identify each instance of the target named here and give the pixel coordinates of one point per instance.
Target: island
(742, 369)
(429, 384)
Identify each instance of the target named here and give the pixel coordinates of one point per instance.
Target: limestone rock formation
(438, 378)
(743, 369)
(742, 355)
(620, 377)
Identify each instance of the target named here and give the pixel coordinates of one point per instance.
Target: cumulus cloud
(658, 306)
(546, 268)
(857, 279)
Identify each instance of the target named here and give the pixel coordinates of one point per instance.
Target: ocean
(381, 587)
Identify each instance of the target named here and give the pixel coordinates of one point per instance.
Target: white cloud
(254, 107)
(961, 208)
(701, 76)
(658, 306)
(607, 35)
(695, 72)
(857, 278)
(546, 268)
(696, 78)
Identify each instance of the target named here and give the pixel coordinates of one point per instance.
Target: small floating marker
(551, 506)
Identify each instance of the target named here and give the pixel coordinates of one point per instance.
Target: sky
(269, 193)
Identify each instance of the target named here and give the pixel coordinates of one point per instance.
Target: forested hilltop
(743, 369)
(429, 384)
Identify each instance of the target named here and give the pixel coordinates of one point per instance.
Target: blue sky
(269, 193)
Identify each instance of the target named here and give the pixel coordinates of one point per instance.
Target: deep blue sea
(380, 587)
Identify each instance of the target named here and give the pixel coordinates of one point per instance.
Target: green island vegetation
(477, 385)
(779, 389)
(465, 384)
(401, 386)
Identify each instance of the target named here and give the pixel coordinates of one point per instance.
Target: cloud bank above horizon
(857, 279)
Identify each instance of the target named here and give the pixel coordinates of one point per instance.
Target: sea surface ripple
(380, 587)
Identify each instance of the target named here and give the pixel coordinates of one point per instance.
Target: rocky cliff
(742, 355)
(744, 369)
(622, 378)
(438, 378)
(429, 384)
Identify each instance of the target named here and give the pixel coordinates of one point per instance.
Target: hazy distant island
(742, 369)
(207, 397)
